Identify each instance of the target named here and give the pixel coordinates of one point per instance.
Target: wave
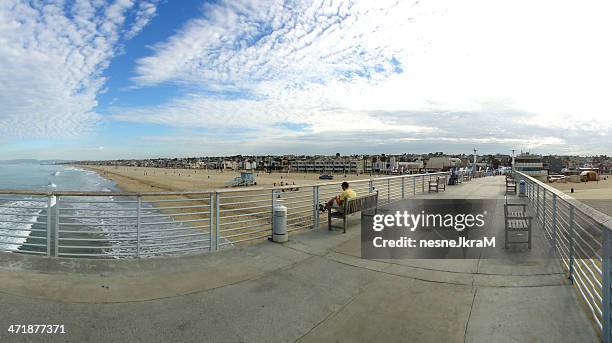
(12, 234)
(56, 173)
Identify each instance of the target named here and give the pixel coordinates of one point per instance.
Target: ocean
(37, 177)
(93, 226)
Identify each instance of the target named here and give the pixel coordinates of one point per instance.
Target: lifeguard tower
(246, 178)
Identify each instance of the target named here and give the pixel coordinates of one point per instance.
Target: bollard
(279, 224)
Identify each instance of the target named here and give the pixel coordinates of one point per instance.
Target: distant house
(410, 167)
(227, 164)
(442, 163)
(331, 164)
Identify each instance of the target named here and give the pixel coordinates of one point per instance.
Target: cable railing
(581, 236)
(124, 225)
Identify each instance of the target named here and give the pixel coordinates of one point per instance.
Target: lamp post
(474, 170)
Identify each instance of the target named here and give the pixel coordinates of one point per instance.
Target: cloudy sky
(94, 79)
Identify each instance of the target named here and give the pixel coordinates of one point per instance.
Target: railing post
(554, 220)
(538, 202)
(370, 186)
(527, 189)
(414, 185)
(607, 248)
(315, 207)
(403, 186)
(138, 226)
(57, 225)
(211, 205)
(572, 242)
(423, 184)
(49, 207)
(388, 191)
(217, 219)
(544, 207)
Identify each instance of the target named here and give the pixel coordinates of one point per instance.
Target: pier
(316, 287)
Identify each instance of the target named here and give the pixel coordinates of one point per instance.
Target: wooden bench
(350, 206)
(466, 177)
(510, 185)
(437, 185)
(517, 221)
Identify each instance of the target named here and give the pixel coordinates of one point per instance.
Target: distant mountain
(32, 161)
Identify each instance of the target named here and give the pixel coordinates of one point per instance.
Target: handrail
(589, 279)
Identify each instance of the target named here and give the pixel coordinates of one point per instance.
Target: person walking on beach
(337, 201)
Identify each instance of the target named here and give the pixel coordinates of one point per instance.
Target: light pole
(474, 170)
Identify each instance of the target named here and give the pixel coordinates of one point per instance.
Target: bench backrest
(358, 204)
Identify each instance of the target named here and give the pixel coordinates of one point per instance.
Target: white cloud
(146, 11)
(336, 65)
(324, 72)
(52, 56)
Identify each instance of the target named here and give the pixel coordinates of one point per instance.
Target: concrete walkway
(315, 288)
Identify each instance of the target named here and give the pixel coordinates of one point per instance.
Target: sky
(95, 79)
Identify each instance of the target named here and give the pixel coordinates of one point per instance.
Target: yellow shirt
(346, 194)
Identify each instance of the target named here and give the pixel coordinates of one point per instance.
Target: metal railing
(119, 224)
(582, 238)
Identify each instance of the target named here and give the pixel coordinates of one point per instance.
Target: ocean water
(95, 226)
(37, 177)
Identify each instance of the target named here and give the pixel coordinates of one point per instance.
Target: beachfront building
(384, 164)
(439, 163)
(530, 164)
(247, 165)
(228, 164)
(331, 165)
(413, 167)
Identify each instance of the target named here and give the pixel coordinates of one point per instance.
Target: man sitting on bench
(337, 201)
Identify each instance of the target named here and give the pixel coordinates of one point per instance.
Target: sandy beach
(142, 179)
(597, 194)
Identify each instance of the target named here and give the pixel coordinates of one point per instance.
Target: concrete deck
(315, 288)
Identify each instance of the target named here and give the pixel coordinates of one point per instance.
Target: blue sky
(94, 79)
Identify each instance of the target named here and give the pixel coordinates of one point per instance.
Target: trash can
(522, 188)
(279, 224)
